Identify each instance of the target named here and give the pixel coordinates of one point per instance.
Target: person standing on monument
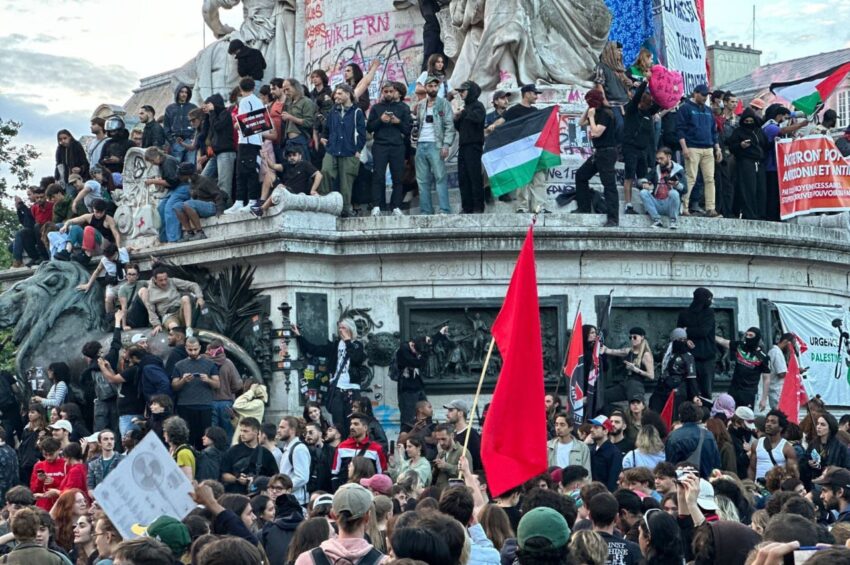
(95, 145)
(750, 366)
(250, 62)
(223, 160)
(436, 136)
(178, 130)
(299, 113)
(698, 320)
(390, 124)
(116, 147)
(638, 137)
(700, 146)
(153, 134)
(777, 356)
(469, 123)
(248, 149)
(345, 357)
(500, 106)
(343, 136)
(599, 118)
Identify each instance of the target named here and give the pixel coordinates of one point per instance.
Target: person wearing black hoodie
(116, 146)
(638, 134)
(70, 157)
(748, 144)
(750, 366)
(698, 321)
(222, 164)
(249, 61)
(469, 124)
(276, 536)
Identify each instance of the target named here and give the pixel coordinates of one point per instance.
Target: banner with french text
(813, 176)
(684, 46)
(822, 349)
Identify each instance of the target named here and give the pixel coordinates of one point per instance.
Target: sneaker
(673, 224)
(190, 332)
(257, 211)
(62, 255)
(236, 208)
(611, 224)
(697, 211)
(658, 224)
(19, 264)
(376, 211)
(630, 209)
(397, 212)
(199, 235)
(250, 204)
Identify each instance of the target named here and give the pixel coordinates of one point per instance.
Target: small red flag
(574, 372)
(513, 449)
(739, 109)
(793, 393)
(667, 412)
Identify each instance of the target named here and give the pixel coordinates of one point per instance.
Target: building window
(843, 108)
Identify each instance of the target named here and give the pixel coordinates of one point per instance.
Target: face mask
(751, 343)
(680, 347)
(749, 125)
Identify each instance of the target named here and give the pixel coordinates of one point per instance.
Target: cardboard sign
(813, 176)
(254, 122)
(144, 486)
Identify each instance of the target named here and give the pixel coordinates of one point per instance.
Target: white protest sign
(684, 46)
(144, 486)
(827, 373)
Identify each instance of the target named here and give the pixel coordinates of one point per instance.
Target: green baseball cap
(543, 523)
(172, 532)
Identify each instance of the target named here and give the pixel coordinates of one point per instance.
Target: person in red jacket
(76, 471)
(357, 444)
(47, 475)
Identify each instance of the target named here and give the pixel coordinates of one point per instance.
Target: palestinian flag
(519, 148)
(808, 94)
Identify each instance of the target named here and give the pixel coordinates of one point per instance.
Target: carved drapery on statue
(528, 41)
(267, 25)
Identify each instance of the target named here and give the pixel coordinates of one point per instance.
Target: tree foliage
(15, 161)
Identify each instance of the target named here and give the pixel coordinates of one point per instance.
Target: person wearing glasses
(640, 367)
(133, 309)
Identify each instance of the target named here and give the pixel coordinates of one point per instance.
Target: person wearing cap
(457, 415)
(750, 365)
(435, 137)
(742, 429)
(344, 137)
(206, 200)
(469, 123)
(389, 123)
(639, 364)
(565, 450)
(298, 175)
(700, 146)
(771, 450)
(61, 431)
(691, 442)
(378, 484)
(500, 105)
(606, 459)
(351, 506)
(542, 536)
(835, 491)
(777, 124)
(678, 373)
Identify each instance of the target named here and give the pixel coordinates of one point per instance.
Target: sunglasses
(646, 516)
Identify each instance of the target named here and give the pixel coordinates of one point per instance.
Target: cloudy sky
(60, 59)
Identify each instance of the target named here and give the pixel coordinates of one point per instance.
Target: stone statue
(528, 41)
(51, 320)
(479, 336)
(136, 215)
(267, 25)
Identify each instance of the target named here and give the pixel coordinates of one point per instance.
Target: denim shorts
(202, 207)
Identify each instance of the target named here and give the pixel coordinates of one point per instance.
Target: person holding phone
(389, 123)
(748, 144)
(194, 379)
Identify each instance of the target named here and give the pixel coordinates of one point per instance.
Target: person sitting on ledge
(206, 200)
(662, 192)
(98, 226)
(169, 301)
(112, 264)
(176, 191)
(298, 177)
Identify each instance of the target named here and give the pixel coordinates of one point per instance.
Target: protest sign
(254, 122)
(684, 46)
(144, 486)
(813, 176)
(819, 352)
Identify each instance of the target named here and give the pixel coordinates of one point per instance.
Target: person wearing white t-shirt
(113, 266)
(565, 449)
(248, 152)
(777, 358)
(436, 67)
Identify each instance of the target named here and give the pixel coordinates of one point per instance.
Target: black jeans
(750, 187)
(407, 401)
(724, 186)
(771, 198)
(705, 376)
(383, 155)
(602, 163)
(247, 173)
(198, 418)
(431, 42)
(470, 179)
(339, 405)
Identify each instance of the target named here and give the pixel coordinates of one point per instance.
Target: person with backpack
(343, 137)
(176, 432)
(246, 460)
(152, 377)
(692, 443)
(351, 505)
(276, 535)
(296, 459)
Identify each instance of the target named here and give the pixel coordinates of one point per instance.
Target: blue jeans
(431, 171)
(221, 416)
(182, 154)
(202, 207)
(221, 167)
(125, 423)
(655, 208)
(170, 229)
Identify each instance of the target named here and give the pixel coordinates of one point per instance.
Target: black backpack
(372, 558)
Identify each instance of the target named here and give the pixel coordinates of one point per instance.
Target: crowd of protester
(702, 157)
(712, 482)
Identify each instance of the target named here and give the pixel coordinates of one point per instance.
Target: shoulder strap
(319, 557)
(769, 448)
(365, 449)
(259, 463)
(371, 558)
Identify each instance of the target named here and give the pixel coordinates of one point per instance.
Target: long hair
(362, 468)
(61, 371)
(322, 75)
(432, 65)
(356, 73)
(64, 516)
(352, 327)
(832, 423)
(308, 535)
(611, 58)
(719, 431)
(65, 132)
(665, 541)
(306, 414)
(496, 524)
(649, 441)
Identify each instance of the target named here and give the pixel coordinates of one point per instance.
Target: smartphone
(41, 475)
(392, 447)
(390, 114)
(804, 553)
(196, 375)
(456, 482)
(682, 473)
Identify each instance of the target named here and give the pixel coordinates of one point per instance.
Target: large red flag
(793, 393)
(513, 442)
(574, 372)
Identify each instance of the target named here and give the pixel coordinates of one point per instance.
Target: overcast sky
(60, 59)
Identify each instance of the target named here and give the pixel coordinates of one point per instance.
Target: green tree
(15, 160)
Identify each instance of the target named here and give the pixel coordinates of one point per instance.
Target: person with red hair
(599, 119)
(70, 505)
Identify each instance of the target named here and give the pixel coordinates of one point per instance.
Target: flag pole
(475, 400)
(567, 352)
